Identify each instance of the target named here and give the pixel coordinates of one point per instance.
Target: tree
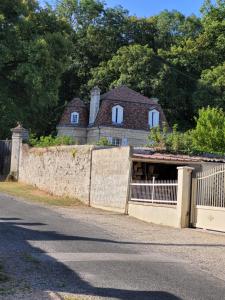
(211, 43)
(142, 70)
(173, 27)
(209, 133)
(34, 53)
(132, 65)
(48, 56)
(98, 32)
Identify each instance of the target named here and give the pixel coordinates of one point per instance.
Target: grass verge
(35, 195)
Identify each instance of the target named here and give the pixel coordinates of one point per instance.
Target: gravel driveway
(53, 252)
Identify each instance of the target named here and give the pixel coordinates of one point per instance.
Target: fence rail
(155, 191)
(210, 187)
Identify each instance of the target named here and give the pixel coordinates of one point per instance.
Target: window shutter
(120, 115)
(114, 114)
(156, 118)
(153, 118)
(150, 118)
(117, 114)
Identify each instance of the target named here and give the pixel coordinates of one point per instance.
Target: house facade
(121, 115)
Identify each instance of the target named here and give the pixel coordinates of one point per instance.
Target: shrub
(171, 141)
(47, 141)
(103, 142)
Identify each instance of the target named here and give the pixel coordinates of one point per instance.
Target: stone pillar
(183, 196)
(17, 138)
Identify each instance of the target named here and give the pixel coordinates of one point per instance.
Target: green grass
(35, 195)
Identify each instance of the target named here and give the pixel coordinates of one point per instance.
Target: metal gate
(208, 199)
(5, 158)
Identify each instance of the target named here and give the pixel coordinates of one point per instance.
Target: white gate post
(183, 196)
(17, 138)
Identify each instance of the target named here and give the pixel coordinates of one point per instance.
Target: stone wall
(93, 134)
(79, 134)
(134, 137)
(110, 178)
(62, 171)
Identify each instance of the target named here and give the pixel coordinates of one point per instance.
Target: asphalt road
(77, 256)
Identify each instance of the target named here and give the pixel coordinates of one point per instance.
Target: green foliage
(170, 141)
(132, 65)
(103, 142)
(209, 133)
(208, 136)
(48, 141)
(49, 56)
(34, 50)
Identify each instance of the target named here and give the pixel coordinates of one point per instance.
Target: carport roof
(151, 154)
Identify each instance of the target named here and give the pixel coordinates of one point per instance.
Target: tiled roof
(123, 93)
(75, 105)
(144, 153)
(77, 102)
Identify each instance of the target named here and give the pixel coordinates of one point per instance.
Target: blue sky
(152, 7)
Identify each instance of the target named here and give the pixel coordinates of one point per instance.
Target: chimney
(94, 104)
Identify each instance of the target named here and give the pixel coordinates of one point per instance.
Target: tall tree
(98, 32)
(34, 53)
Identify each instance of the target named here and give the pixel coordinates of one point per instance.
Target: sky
(152, 7)
(145, 8)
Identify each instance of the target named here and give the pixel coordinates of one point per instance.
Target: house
(121, 115)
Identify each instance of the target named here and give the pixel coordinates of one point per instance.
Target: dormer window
(117, 114)
(153, 118)
(74, 118)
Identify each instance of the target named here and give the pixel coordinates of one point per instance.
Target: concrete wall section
(154, 213)
(110, 178)
(62, 171)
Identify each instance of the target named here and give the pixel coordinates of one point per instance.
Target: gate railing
(155, 191)
(210, 187)
(5, 158)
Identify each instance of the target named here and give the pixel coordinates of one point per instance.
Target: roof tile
(123, 93)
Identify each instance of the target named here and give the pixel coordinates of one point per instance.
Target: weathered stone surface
(62, 170)
(134, 137)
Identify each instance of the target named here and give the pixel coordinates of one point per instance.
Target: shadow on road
(52, 274)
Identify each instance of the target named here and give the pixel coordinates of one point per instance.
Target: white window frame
(74, 118)
(116, 141)
(153, 118)
(117, 114)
